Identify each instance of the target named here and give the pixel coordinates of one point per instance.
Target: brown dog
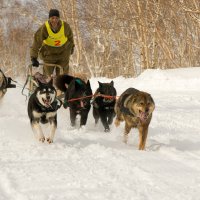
(5, 82)
(135, 108)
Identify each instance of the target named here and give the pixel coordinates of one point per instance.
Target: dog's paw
(110, 121)
(73, 124)
(125, 139)
(82, 129)
(107, 130)
(117, 122)
(49, 140)
(42, 139)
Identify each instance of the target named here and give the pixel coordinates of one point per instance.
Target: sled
(32, 79)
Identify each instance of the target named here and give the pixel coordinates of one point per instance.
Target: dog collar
(53, 107)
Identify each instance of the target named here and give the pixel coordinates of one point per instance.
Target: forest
(112, 37)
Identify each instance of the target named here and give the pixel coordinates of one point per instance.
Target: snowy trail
(89, 164)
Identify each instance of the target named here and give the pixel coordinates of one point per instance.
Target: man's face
(54, 21)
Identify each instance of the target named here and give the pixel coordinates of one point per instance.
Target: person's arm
(40, 35)
(69, 34)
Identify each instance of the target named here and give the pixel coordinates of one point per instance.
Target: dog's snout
(147, 110)
(48, 97)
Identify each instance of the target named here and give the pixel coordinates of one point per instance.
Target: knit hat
(54, 12)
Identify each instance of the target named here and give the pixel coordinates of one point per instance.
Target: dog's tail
(62, 81)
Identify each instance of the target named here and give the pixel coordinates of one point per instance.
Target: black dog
(77, 97)
(103, 104)
(5, 82)
(42, 108)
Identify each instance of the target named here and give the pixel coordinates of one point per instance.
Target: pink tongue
(82, 104)
(47, 103)
(143, 116)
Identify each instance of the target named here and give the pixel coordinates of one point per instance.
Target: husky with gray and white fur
(42, 109)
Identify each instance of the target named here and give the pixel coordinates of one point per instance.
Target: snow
(88, 164)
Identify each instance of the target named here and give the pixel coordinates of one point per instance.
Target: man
(54, 43)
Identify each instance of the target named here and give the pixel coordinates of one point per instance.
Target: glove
(35, 62)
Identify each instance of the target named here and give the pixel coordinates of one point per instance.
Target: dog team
(134, 107)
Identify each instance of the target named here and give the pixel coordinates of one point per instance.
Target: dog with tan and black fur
(5, 82)
(135, 108)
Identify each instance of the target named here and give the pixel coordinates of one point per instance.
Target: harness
(105, 107)
(82, 104)
(52, 108)
(105, 101)
(68, 102)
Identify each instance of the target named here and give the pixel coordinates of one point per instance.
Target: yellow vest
(55, 39)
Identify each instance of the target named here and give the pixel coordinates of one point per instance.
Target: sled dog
(77, 96)
(103, 104)
(42, 109)
(5, 82)
(135, 108)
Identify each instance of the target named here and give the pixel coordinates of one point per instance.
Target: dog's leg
(119, 117)
(126, 132)
(84, 116)
(96, 115)
(72, 117)
(38, 131)
(1, 94)
(117, 122)
(53, 124)
(103, 117)
(111, 117)
(143, 131)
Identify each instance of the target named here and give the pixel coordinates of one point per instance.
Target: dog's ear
(112, 83)
(151, 101)
(39, 83)
(129, 100)
(88, 84)
(100, 84)
(72, 85)
(79, 84)
(51, 81)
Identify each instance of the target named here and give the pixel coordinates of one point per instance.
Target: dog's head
(140, 105)
(46, 93)
(78, 93)
(108, 90)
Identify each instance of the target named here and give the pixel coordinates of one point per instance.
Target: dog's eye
(43, 91)
(141, 103)
(50, 90)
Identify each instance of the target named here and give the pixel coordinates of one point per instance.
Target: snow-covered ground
(89, 164)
